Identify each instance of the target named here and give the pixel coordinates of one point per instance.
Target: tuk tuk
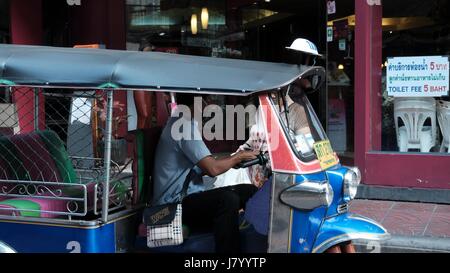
(73, 179)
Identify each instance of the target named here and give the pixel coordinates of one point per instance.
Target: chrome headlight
(352, 179)
(329, 195)
(308, 195)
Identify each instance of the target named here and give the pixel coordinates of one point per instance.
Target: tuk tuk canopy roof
(94, 68)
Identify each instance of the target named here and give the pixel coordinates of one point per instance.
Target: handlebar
(261, 159)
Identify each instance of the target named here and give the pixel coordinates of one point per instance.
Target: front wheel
(346, 247)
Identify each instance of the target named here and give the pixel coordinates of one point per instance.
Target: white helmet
(304, 46)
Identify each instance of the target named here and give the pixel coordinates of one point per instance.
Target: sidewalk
(414, 227)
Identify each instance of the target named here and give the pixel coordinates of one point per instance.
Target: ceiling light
(194, 29)
(205, 18)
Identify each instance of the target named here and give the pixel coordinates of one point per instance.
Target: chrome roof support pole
(107, 156)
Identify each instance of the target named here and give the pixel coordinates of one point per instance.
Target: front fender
(348, 227)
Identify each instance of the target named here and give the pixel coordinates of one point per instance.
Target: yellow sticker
(325, 154)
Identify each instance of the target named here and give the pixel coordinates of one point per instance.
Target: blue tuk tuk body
(95, 206)
(40, 238)
(333, 225)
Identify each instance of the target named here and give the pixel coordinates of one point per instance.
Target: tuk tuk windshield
(299, 121)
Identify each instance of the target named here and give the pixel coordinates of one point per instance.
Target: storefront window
(240, 29)
(4, 22)
(415, 76)
(256, 30)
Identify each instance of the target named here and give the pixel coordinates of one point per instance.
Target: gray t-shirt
(176, 155)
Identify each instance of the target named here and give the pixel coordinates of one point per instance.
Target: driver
(295, 117)
(203, 211)
(258, 207)
(307, 53)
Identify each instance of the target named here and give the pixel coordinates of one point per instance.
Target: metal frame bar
(280, 223)
(36, 109)
(111, 194)
(88, 224)
(105, 174)
(23, 184)
(107, 154)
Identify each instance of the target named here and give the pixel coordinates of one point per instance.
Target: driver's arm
(214, 167)
(197, 152)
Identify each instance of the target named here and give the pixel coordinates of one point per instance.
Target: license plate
(325, 154)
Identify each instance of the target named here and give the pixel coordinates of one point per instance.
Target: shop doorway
(340, 84)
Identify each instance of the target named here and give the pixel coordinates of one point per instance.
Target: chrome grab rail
(116, 200)
(43, 190)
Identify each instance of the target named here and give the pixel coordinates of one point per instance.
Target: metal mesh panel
(51, 154)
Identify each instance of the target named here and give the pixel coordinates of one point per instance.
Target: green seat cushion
(23, 204)
(58, 151)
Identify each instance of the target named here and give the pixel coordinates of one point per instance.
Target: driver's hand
(247, 155)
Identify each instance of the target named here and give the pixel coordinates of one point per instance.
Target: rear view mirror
(309, 82)
(315, 81)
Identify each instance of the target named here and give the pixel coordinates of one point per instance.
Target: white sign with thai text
(418, 76)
